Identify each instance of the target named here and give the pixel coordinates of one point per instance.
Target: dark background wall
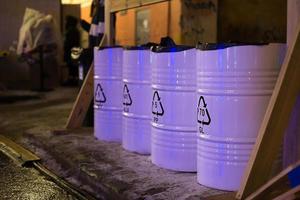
(14, 72)
(12, 12)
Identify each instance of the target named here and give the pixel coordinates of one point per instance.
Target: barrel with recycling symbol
(174, 128)
(108, 93)
(137, 99)
(234, 85)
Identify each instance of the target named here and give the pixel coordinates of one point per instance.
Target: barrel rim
(132, 48)
(108, 47)
(171, 49)
(218, 46)
(147, 46)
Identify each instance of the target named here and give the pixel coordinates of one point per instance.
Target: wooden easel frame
(275, 122)
(291, 194)
(278, 184)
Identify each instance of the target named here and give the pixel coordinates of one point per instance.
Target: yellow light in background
(83, 3)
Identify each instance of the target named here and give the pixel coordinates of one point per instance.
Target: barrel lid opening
(168, 45)
(108, 47)
(177, 48)
(146, 46)
(217, 46)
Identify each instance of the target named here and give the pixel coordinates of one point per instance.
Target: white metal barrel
(174, 128)
(234, 86)
(137, 100)
(108, 93)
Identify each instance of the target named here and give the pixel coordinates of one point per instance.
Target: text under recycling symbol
(127, 101)
(203, 116)
(99, 94)
(157, 107)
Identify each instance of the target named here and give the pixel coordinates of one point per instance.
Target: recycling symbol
(99, 94)
(157, 107)
(203, 116)
(127, 101)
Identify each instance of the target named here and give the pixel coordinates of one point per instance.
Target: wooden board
(275, 121)
(291, 194)
(275, 186)
(252, 21)
(82, 102)
(209, 20)
(233, 21)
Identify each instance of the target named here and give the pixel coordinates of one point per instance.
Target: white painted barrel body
(108, 93)
(137, 100)
(174, 128)
(234, 86)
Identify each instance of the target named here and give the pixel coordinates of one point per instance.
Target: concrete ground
(107, 171)
(102, 169)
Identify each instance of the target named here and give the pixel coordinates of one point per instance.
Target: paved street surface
(47, 109)
(26, 183)
(20, 110)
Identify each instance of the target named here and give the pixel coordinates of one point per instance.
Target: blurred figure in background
(72, 39)
(97, 27)
(39, 44)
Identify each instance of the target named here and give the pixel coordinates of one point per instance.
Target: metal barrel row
(193, 109)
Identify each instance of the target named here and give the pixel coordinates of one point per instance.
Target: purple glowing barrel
(234, 86)
(108, 88)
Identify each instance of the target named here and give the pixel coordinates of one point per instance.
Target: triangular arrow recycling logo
(127, 101)
(203, 116)
(157, 107)
(99, 94)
